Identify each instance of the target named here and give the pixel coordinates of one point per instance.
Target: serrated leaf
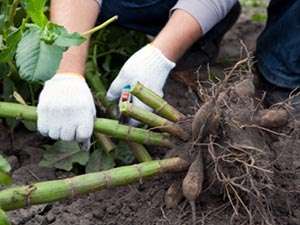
(99, 161)
(63, 154)
(35, 9)
(69, 39)
(123, 154)
(58, 35)
(37, 61)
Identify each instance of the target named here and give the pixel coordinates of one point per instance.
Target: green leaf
(58, 35)
(5, 178)
(62, 155)
(99, 161)
(69, 39)
(4, 68)
(123, 154)
(5, 168)
(4, 165)
(31, 126)
(3, 218)
(35, 9)
(37, 60)
(12, 41)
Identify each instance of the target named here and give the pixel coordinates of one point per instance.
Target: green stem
(12, 12)
(152, 120)
(31, 94)
(105, 142)
(97, 86)
(3, 218)
(123, 132)
(105, 126)
(140, 152)
(51, 191)
(156, 102)
(101, 26)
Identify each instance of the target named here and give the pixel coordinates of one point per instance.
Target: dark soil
(143, 203)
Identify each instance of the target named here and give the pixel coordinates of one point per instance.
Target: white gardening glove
(147, 66)
(66, 109)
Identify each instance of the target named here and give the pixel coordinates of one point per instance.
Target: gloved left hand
(148, 66)
(66, 109)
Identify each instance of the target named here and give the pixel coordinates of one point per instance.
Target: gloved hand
(66, 108)
(147, 66)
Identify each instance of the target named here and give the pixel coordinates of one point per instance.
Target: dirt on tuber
(174, 195)
(272, 118)
(201, 122)
(193, 181)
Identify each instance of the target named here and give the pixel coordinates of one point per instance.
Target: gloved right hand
(148, 66)
(66, 108)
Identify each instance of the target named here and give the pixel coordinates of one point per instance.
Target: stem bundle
(105, 126)
(156, 102)
(139, 151)
(152, 120)
(51, 191)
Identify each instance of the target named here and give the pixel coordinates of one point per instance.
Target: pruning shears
(126, 96)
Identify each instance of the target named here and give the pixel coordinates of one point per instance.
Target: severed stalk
(105, 142)
(99, 90)
(139, 151)
(100, 93)
(156, 102)
(152, 120)
(105, 126)
(51, 191)
(101, 26)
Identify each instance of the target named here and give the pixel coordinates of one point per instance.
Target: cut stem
(105, 142)
(140, 152)
(51, 191)
(101, 26)
(105, 126)
(156, 102)
(99, 90)
(152, 120)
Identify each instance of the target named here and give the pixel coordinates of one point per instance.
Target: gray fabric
(207, 12)
(99, 2)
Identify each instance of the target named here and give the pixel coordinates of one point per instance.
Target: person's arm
(190, 19)
(66, 108)
(75, 16)
(152, 64)
(181, 31)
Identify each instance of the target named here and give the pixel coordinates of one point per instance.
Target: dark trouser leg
(147, 16)
(278, 47)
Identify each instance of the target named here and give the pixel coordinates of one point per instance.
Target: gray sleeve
(207, 12)
(99, 2)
